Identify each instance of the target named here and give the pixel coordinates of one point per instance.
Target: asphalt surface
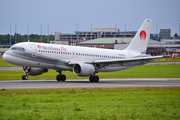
(10, 68)
(84, 83)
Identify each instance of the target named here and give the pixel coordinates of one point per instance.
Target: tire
(24, 77)
(91, 78)
(96, 79)
(58, 77)
(63, 77)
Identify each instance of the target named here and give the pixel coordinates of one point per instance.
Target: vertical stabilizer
(140, 40)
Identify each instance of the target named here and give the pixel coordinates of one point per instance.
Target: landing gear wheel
(63, 77)
(94, 79)
(24, 77)
(60, 77)
(91, 78)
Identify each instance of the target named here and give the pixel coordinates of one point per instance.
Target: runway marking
(84, 83)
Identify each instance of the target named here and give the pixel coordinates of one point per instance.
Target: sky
(64, 15)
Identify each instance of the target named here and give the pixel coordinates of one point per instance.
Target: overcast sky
(64, 15)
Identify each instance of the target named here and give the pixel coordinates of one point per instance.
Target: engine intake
(34, 71)
(82, 69)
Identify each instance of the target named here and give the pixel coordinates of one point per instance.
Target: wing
(112, 61)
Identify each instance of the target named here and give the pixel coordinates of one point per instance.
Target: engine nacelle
(34, 71)
(82, 69)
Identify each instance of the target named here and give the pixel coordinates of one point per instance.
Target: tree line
(5, 39)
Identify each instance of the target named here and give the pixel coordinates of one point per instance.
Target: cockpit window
(22, 49)
(14, 48)
(18, 48)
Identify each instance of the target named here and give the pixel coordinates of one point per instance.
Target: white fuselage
(57, 56)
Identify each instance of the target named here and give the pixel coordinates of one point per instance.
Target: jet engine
(34, 71)
(82, 69)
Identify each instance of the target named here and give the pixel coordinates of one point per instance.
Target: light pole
(41, 32)
(179, 30)
(157, 32)
(10, 36)
(115, 31)
(15, 33)
(91, 31)
(77, 31)
(28, 32)
(48, 32)
(125, 30)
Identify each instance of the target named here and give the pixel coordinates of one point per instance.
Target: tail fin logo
(142, 35)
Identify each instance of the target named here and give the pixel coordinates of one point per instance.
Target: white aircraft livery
(37, 58)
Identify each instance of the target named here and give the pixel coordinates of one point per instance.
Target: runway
(84, 83)
(10, 68)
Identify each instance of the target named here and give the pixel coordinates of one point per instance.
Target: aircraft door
(130, 55)
(73, 54)
(34, 50)
(77, 55)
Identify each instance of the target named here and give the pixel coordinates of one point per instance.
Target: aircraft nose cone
(4, 56)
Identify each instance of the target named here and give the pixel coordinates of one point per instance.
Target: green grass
(88, 104)
(149, 71)
(177, 59)
(146, 71)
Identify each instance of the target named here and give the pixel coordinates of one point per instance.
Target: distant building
(63, 42)
(165, 33)
(81, 36)
(104, 42)
(112, 38)
(155, 37)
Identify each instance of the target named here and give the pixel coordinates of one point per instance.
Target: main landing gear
(60, 77)
(24, 77)
(94, 79)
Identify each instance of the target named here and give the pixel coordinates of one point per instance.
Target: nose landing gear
(26, 70)
(24, 77)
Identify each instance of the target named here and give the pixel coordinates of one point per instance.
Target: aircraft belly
(116, 67)
(64, 67)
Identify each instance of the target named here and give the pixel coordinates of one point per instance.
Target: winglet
(140, 40)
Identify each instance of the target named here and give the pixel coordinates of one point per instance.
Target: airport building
(164, 47)
(113, 38)
(81, 36)
(165, 33)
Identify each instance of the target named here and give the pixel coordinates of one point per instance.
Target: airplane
(36, 58)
